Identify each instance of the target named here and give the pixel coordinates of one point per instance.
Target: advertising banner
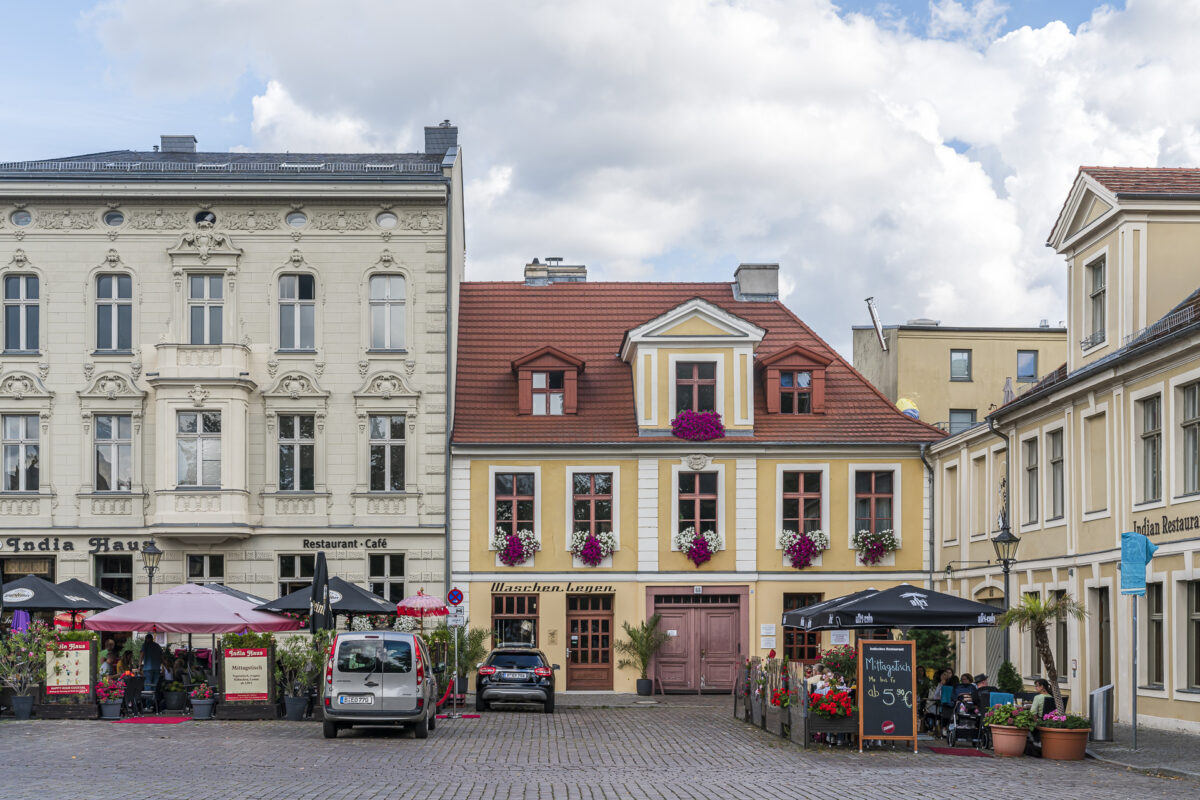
(247, 674)
(68, 668)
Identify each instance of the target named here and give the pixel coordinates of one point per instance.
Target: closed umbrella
(320, 610)
(421, 605)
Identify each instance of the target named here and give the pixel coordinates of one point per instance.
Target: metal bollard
(1100, 709)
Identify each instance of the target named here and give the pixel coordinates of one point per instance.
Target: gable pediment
(1088, 203)
(695, 322)
(112, 386)
(386, 386)
(296, 385)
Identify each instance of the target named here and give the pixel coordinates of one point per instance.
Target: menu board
(69, 668)
(887, 684)
(247, 674)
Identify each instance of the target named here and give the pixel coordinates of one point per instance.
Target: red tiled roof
(500, 322)
(1146, 180)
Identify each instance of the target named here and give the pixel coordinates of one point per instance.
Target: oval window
(21, 218)
(114, 218)
(386, 219)
(297, 219)
(206, 216)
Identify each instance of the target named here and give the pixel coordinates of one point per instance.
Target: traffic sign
(457, 617)
(455, 597)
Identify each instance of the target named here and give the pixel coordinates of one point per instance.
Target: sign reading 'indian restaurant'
(1168, 525)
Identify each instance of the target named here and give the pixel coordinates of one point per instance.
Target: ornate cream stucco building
(244, 355)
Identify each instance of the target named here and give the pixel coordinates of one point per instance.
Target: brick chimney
(756, 282)
(178, 144)
(440, 138)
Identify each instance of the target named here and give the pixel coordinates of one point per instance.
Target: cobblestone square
(682, 749)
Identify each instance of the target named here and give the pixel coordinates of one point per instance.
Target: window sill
(1026, 379)
(1157, 687)
(195, 488)
(22, 352)
(397, 352)
(961, 380)
(112, 353)
(301, 351)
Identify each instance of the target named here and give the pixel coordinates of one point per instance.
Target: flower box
(756, 711)
(774, 718)
(698, 426)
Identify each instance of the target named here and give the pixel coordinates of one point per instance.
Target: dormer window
(695, 386)
(795, 392)
(548, 393)
(547, 382)
(795, 381)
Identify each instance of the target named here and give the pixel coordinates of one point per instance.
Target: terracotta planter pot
(1064, 744)
(1008, 741)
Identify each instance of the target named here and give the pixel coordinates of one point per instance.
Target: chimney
(554, 271)
(756, 283)
(440, 138)
(178, 144)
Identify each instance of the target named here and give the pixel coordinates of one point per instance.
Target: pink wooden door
(718, 645)
(676, 659)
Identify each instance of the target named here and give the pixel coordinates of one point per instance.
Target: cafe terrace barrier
(757, 684)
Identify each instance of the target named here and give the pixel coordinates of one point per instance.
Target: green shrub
(1008, 679)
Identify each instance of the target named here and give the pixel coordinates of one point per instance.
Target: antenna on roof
(878, 325)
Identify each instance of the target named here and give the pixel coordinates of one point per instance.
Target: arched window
(114, 311)
(297, 312)
(387, 312)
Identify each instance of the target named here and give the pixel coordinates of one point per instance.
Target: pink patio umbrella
(189, 609)
(421, 605)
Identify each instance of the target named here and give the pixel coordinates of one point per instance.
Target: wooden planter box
(756, 711)
(804, 728)
(65, 710)
(246, 711)
(797, 720)
(739, 705)
(774, 719)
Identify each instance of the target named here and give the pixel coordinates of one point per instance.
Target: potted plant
(110, 694)
(1010, 728)
(174, 696)
(23, 665)
(840, 660)
(296, 665)
(645, 640)
(202, 702)
(516, 548)
(698, 547)
(592, 548)
(801, 549)
(698, 426)
(472, 649)
(874, 546)
(1034, 614)
(1064, 736)
(833, 714)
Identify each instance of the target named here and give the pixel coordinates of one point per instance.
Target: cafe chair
(134, 686)
(149, 695)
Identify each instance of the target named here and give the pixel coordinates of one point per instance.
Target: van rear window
(373, 655)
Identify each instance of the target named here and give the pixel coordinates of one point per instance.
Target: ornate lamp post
(151, 555)
(1006, 553)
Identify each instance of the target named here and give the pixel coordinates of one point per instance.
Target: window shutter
(570, 391)
(772, 391)
(818, 391)
(525, 392)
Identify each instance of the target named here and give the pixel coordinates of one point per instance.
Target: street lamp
(1006, 553)
(151, 555)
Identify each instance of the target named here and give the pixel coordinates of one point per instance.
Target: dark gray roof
(136, 165)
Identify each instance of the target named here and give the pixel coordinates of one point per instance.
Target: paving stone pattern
(678, 750)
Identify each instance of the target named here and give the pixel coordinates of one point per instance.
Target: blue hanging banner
(1136, 552)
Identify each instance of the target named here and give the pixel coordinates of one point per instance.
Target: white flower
(820, 539)
(404, 624)
(529, 542)
(608, 542)
(682, 540)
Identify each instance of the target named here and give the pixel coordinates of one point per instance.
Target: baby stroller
(966, 722)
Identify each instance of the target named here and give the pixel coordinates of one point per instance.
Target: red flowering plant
(110, 689)
(840, 660)
(698, 426)
(832, 705)
(202, 692)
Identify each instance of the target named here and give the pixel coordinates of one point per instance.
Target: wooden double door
(703, 648)
(589, 642)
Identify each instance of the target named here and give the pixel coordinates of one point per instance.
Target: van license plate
(513, 676)
(356, 699)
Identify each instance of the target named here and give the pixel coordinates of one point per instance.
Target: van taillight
(329, 664)
(543, 672)
(420, 672)
(487, 670)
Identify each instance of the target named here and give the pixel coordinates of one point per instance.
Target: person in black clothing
(152, 655)
(967, 686)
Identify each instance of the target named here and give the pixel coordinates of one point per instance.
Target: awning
(904, 606)
(32, 593)
(345, 597)
(189, 609)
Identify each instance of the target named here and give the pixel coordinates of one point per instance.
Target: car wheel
(330, 729)
(548, 706)
(421, 729)
(433, 720)
(480, 703)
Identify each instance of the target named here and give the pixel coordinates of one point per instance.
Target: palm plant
(1035, 614)
(644, 641)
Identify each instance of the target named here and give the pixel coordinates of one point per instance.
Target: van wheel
(548, 706)
(421, 729)
(330, 729)
(480, 703)
(433, 720)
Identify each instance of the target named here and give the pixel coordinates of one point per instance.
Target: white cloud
(673, 139)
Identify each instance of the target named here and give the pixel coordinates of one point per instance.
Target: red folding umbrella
(421, 605)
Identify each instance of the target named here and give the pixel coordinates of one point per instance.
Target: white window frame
(388, 304)
(821, 467)
(896, 468)
(297, 442)
(488, 530)
(1134, 411)
(1086, 300)
(716, 358)
(388, 443)
(199, 437)
(21, 443)
(114, 446)
(1178, 491)
(569, 472)
(388, 578)
(983, 499)
(23, 303)
(207, 303)
(298, 304)
(114, 303)
(673, 513)
(207, 578)
(1085, 458)
(1027, 521)
(947, 523)
(1047, 476)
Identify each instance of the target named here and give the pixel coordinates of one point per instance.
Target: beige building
(952, 376)
(244, 355)
(1110, 442)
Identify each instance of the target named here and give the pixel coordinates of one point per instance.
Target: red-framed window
(873, 501)
(698, 501)
(514, 501)
(801, 645)
(695, 386)
(802, 501)
(548, 393)
(795, 392)
(591, 502)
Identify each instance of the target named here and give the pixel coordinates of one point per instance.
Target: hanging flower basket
(699, 547)
(698, 426)
(874, 547)
(592, 548)
(515, 548)
(801, 549)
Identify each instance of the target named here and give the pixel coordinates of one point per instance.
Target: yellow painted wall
(1171, 254)
(725, 382)
(671, 560)
(1078, 300)
(695, 326)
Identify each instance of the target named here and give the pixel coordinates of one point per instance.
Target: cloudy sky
(915, 151)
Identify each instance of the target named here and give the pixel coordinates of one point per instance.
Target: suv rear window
(363, 656)
(516, 660)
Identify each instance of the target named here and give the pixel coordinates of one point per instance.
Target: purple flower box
(698, 426)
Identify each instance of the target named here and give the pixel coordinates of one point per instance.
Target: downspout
(932, 516)
(449, 414)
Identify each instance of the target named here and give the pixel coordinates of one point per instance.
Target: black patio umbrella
(345, 597)
(903, 606)
(32, 593)
(75, 589)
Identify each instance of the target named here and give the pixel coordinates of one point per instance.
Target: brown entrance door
(589, 642)
(675, 661)
(703, 647)
(718, 648)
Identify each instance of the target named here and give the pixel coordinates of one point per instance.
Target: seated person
(967, 686)
(1043, 702)
(109, 665)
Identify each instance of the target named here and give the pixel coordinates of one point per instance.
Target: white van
(379, 678)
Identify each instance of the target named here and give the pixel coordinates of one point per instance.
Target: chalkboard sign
(887, 688)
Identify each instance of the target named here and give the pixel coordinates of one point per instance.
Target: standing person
(152, 655)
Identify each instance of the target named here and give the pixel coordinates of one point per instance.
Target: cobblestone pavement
(1169, 752)
(684, 748)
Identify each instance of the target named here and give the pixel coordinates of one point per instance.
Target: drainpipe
(450, 340)
(932, 516)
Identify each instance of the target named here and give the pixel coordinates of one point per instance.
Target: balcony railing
(1091, 341)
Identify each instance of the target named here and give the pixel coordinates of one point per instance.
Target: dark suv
(515, 675)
